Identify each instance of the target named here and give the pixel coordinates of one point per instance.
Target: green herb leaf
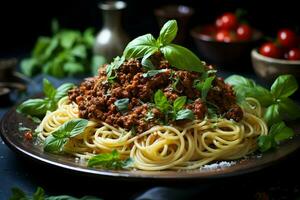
(18, 194)
(39, 194)
(265, 142)
(281, 132)
(117, 62)
(237, 80)
(68, 38)
(40, 46)
(109, 161)
(185, 114)
(182, 58)
(278, 132)
(147, 64)
(151, 73)
(72, 68)
(161, 101)
(205, 86)
(30, 66)
(62, 91)
(179, 103)
(56, 141)
(261, 94)
(122, 104)
(48, 89)
(289, 108)
(272, 115)
(88, 37)
(284, 86)
(35, 107)
(80, 51)
(140, 46)
(54, 26)
(168, 32)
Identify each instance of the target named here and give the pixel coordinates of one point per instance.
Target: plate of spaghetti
(158, 111)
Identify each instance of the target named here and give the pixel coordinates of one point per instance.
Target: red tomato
(224, 36)
(287, 38)
(269, 49)
(28, 135)
(293, 54)
(227, 21)
(244, 32)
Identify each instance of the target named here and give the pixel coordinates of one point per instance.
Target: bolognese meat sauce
(96, 96)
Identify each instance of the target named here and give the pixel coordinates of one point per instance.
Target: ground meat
(96, 96)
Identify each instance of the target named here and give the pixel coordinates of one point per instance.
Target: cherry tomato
(287, 38)
(244, 32)
(28, 135)
(227, 21)
(269, 49)
(224, 36)
(293, 54)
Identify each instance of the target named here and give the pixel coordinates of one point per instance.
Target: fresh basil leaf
(53, 144)
(72, 68)
(109, 161)
(30, 66)
(237, 80)
(18, 194)
(161, 101)
(284, 86)
(168, 32)
(151, 73)
(40, 46)
(88, 37)
(205, 86)
(281, 132)
(71, 128)
(182, 58)
(122, 104)
(272, 114)
(147, 64)
(114, 65)
(265, 142)
(56, 141)
(80, 51)
(97, 62)
(48, 89)
(62, 91)
(68, 38)
(179, 103)
(289, 108)
(35, 107)
(54, 43)
(39, 194)
(140, 46)
(261, 94)
(185, 114)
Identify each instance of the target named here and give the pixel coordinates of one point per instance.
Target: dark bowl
(229, 54)
(269, 68)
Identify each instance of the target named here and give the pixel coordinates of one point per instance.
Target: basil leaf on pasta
(62, 91)
(284, 86)
(48, 89)
(179, 103)
(185, 114)
(122, 104)
(109, 161)
(161, 101)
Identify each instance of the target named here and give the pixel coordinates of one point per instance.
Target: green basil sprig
(109, 161)
(174, 111)
(56, 141)
(178, 56)
(112, 67)
(204, 86)
(151, 73)
(39, 194)
(39, 107)
(278, 133)
(277, 102)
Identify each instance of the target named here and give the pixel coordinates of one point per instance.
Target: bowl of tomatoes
(227, 42)
(277, 57)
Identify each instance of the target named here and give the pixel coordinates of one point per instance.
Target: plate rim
(130, 175)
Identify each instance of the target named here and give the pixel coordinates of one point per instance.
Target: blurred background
(23, 21)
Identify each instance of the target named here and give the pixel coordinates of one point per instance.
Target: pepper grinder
(111, 40)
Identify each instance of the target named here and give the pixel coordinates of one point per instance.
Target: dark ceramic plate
(15, 140)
